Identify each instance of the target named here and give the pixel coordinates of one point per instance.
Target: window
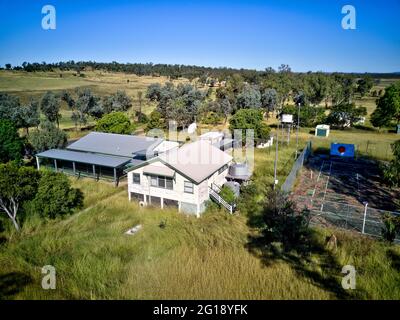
(222, 169)
(162, 182)
(169, 183)
(188, 187)
(136, 178)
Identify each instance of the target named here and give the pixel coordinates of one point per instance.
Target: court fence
(360, 219)
(288, 185)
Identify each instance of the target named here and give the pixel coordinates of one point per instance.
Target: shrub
(282, 223)
(11, 145)
(55, 197)
(115, 122)
(391, 227)
(227, 194)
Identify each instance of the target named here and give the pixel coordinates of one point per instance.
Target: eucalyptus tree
(50, 106)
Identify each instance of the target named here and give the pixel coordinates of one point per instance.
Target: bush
(227, 194)
(115, 122)
(11, 145)
(55, 197)
(391, 227)
(212, 118)
(155, 121)
(282, 223)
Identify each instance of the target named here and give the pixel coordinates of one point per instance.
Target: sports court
(344, 192)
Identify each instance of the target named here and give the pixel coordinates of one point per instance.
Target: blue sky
(306, 34)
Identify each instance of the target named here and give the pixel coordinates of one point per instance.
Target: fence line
(287, 186)
(358, 218)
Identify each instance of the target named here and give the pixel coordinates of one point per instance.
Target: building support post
(115, 177)
(73, 167)
(55, 165)
(94, 171)
(162, 203)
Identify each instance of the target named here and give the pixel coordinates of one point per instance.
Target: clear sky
(306, 34)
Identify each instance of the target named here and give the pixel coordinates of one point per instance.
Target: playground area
(345, 193)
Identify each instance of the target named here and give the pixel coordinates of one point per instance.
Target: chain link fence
(288, 185)
(361, 219)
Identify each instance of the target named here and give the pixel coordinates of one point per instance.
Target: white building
(184, 177)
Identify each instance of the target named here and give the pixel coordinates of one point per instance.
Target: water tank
(239, 169)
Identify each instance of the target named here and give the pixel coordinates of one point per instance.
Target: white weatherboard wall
(191, 203)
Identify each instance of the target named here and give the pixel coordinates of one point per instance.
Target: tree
(9, 106)
(50, 106)
(309, 116)
(316, 88)
(11, 145)
(364, 85)
(250, 119)
(391, 171)
(17, 186)
(282, 223)
(155, 121)
(140, 101)
(387, 107)
(29, 116)
(269, 100)
(8, 66)
(66, 96)
(118, 101)
(87, 105)
(55, 196)
(48, 137)
(345, 115)
(226, 108)
(300, 98)
(249, 98)
(115, 122)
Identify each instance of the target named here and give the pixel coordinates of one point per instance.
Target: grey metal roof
(197, 160)
(115, 144)
(84, 157)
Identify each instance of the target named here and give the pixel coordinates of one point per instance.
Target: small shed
(322, 130)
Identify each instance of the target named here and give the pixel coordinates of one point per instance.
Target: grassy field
(213, 257)
(33, 85)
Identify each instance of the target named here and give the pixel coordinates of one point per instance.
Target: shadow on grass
(306, 260)
(13, 283)
(394, 258)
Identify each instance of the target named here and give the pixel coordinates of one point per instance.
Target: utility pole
(298, 125)
(276, 156)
